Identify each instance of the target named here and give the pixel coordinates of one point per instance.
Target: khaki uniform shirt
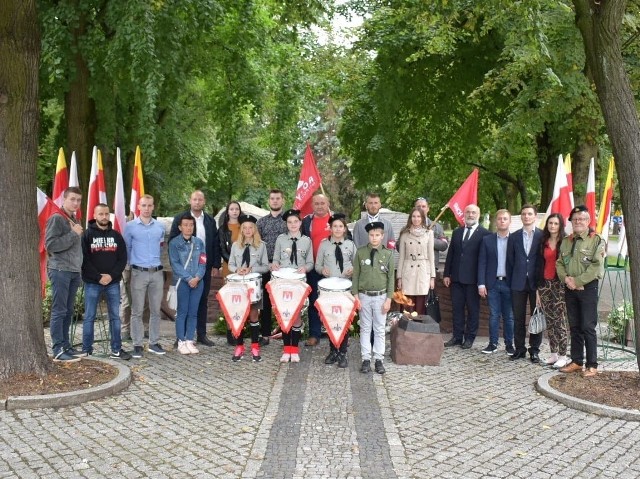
(581, 257)
(374, 276)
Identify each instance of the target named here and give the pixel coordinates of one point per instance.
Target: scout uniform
(582, 258)
(373, 283)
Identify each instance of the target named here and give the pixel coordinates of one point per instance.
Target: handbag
(538, 322)
(172, 292)
(433, 305)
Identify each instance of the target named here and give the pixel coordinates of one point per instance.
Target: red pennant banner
(337, 309)
(235, 303)
(287, 298)
(308, 183)
(466, 195)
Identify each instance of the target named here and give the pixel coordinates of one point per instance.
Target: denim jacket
(179, 250)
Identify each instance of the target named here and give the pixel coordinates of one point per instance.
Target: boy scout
(580, 265)
(373, 275)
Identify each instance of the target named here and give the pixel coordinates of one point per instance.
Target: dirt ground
(612, 388)
(63, 377)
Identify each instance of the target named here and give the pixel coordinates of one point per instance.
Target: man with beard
(360, 235)
(270, 227)
(104, 258)
(207, 231)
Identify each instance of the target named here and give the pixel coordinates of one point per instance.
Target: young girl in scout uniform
(292, 250)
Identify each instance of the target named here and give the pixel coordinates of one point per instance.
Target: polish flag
(590, 197)
(137, 185)
(308, 183)
(466, 195)
(561, 199)
(73, 179)
(602, 227)
(118, 202)
(97, 191)
(567, 169)
(61, 180)
(46, 208)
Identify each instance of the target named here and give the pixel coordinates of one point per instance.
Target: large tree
(600, 22)
(22, 347)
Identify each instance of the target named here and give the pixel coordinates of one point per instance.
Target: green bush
(617, 321)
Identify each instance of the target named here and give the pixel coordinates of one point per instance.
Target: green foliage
(618, 320)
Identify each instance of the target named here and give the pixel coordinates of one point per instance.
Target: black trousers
(519, 301)
(266, 325)
(465, 298)
(203, 306)
(582, 310)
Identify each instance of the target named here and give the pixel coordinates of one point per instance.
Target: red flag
(309, 182)
(466, 195)
(61, 180)
(118, 202)
(567, 170)
(73, 179)
(561, 200)
(46, 208)
(97, 191)
(590, 197)
(137, 185)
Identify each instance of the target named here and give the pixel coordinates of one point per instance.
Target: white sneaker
(285, 358)
(552, 359)
(295, 358)
(183, 348)
(562, 362)
(191, 346)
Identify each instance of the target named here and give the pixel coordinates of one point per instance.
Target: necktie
(372, 255)
(294, 252)
(339, 258)
(246, 256)
(466, 235)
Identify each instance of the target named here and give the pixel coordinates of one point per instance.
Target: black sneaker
(343, 362)
(138, 352)
(65, 357)
(366, 366)
(76, 353)
(510, 350)
(332, 357)
(490, 349)
(156, 349)
(122, 354)
(264, 341)
(380, 367)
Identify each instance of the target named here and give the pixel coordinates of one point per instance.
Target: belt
(374, 293)
(150, 270)
(501, 278)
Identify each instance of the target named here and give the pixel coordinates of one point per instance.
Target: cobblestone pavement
(204, 416)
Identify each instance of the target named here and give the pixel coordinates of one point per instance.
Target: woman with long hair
(550, 293)
(228, 232)
(249, 255)
(416, 263)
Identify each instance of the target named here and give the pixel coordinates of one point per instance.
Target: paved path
(204, 416)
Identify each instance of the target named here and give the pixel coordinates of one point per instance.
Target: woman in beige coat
(416, 266)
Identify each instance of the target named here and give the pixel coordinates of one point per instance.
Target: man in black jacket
(207, 231)
(104, 256)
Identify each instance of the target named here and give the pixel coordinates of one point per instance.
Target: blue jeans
(499, 298)
(187, 313)
(92, 293)
(64, 286)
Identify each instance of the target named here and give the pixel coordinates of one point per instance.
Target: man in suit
(207, 231)
(523, 251)
(461, 274)
(492, 283)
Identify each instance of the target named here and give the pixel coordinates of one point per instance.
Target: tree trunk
(600, 24)
(547, 165)
(580, 160)
(80, 109)
(22, 347)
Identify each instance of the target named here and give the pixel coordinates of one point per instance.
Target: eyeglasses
(580, 219)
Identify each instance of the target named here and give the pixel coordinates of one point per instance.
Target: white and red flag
(97, 190)
(46, 208)
(466, 195)
(73, 179)
(604, 216)
(590, 197)
(119, 215)
(137, 185)
(561, 199)
(567, 169)
(308, 183)
(61, 180)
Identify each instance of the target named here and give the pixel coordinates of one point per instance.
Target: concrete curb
(544, 388)
(119, 383)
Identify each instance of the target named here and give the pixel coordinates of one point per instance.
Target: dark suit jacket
(462, 261)
(213, 244)
(488, 261)
(521, 268)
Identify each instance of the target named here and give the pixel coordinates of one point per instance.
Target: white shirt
(200, 231)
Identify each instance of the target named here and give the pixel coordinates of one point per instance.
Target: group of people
(546, 269)
(540, 267)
